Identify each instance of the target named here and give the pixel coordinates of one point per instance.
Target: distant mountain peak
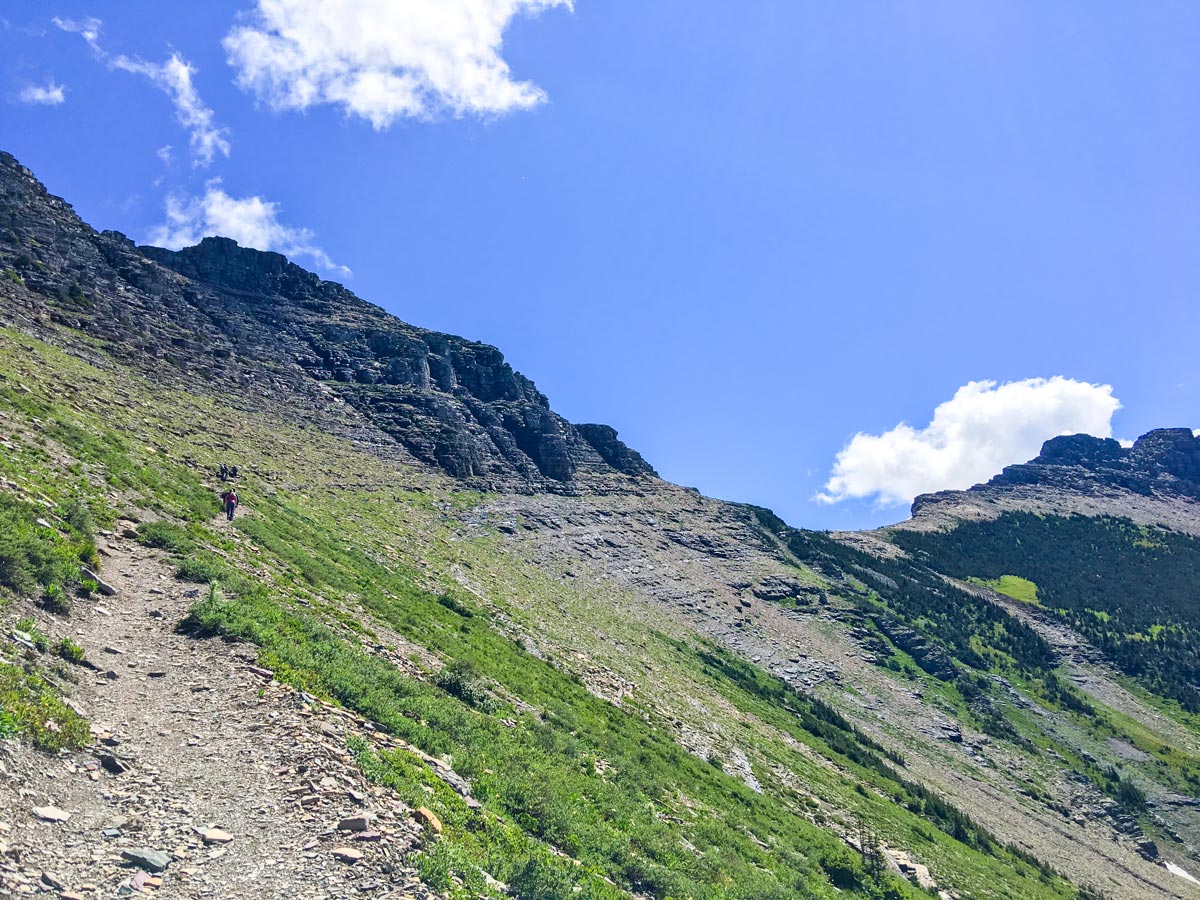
(1086, 474)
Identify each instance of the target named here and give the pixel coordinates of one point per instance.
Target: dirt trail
(210, 743)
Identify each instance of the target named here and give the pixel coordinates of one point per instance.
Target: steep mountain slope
(606, 685)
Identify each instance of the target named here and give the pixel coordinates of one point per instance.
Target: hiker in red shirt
(230, 499)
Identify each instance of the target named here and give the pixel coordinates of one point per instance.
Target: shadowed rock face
(1162, 464)
(254, 322)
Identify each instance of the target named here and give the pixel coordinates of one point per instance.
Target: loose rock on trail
(206, 778)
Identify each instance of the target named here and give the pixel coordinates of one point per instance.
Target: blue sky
(739, 233)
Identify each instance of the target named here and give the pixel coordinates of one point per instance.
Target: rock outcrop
(255, 324)
(1157, 480)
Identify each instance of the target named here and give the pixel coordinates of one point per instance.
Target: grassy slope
(340, 550)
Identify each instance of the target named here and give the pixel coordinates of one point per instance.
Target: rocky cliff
(253, 323)
(1157, 480)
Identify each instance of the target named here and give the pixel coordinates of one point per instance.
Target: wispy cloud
(48, 94)
(251, 221)
(384, 60)
(971, 437)
(174, 77)
(88, 29)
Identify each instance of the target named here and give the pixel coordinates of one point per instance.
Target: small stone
(427, 817)
(355, 823)
(51, 814)
(216, 836)
(153, 860)
(368, 836)
(106, 589)
(112, 764)
(347, 855)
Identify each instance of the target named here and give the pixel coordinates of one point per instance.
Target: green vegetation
(35, 558)
(1133, 591)
(541, 776)
(1013, 586)
(574, 789)
(970, 630)
(30, 706)
(69, 650)
(166, 536)
(36, 637)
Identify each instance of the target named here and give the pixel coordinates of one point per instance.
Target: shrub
(36, 637)
(32, 556)
(69, 650)
(8, 725)
(77, 514)
(166, 536)
(543, 877)
(29, 706)
(201, 570)
(460, 680)
(1130, 795)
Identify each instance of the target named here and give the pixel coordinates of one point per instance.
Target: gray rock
(101, 585)
(146, 858)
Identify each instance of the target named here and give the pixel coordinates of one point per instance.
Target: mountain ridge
(452, 403)
(617, 688)
(1154, 481)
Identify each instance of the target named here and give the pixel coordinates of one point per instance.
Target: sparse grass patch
(35, 558)
(30, 707)
(69, 650)
(166, 536)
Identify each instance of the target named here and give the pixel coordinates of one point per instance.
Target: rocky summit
(243, 317)
(451, 645)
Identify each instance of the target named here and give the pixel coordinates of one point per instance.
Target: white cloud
(383, 60)
(972, 436)
(88, 29)
(49, 94)
(174, 78)
(251, 221)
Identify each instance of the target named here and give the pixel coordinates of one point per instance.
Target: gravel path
(210, 743)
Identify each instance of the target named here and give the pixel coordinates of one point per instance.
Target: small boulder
(347, 855)
(51, 814)
(101, 585)
(216, 836)
(428, 818)
(146, 858)
(355, 823)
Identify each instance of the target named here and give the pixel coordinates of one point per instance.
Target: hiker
(230, 499)
(224, 472)
(233, 472)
